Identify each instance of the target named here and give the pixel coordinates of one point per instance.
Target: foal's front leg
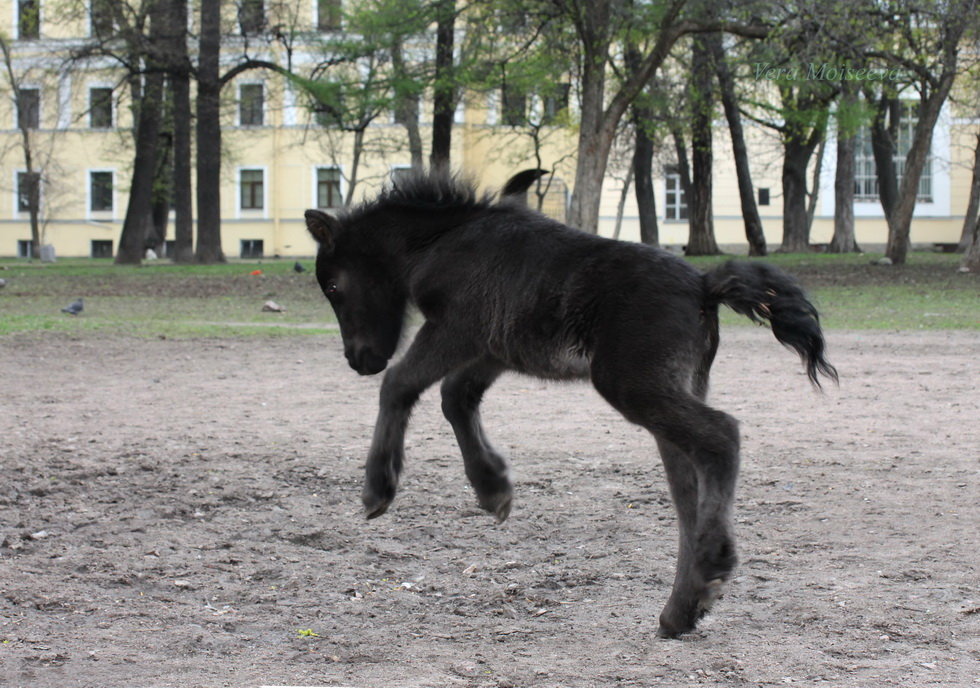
(462, 391)
(427, 360)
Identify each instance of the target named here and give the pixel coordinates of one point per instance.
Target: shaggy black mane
(426, 191)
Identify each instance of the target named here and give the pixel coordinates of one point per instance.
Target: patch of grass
(163, 299)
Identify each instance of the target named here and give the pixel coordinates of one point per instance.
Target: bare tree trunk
(971, 261)
(754, 233)
(621, 206)
(814, 195)
(798, 147)
(973, 206)
(702, 228)
(355, 164)
(900, 225)
(33, 204)
(132, 242)
(181, 88)
(444, 97)
(795, 159)
(646, 201)
(32, 177)
(163, 189)
(408, 106)
(843, 240)
(209, 136)
(642, 163)
(884, 135)
(139, 212)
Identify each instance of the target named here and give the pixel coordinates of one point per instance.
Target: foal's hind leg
(692, 595)
(700, 453)
(462, 391)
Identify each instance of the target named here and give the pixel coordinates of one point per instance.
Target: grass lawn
(162, 299)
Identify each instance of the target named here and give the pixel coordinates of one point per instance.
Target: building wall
(289, 146)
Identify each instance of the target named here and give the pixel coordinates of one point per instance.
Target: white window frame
(88, 18)
(316, 190)
(247, 213)
(101, 215)
(19, 214)
(316, 16)
(679, 192)
(16, 20)
(940, 156)
(40, 106)
(113, 114)
(265, 101)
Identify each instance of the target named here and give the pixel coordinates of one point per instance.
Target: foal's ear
(323, 227)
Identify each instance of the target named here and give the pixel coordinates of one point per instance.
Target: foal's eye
(331, 288)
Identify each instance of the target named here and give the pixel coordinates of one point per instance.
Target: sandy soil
(186, 513)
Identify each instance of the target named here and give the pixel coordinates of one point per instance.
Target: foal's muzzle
(365, 361)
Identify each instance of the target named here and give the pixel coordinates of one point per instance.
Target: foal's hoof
(374, 505)
(678, 619)
(374, 512)
(498, 504)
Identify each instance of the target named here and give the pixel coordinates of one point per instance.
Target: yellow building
(278, 160)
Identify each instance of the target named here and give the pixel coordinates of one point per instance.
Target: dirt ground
(186, 513)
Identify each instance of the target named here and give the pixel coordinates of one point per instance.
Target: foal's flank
(502, 288)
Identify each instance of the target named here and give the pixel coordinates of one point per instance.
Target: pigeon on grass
(74, 308)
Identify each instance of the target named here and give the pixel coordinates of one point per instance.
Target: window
(328, 15)
(515, 106)
(675, 202)
(763, 196)
(100, 108)
(251, 100)
(328, 188)
(25, 248)
(26, 185)
(28, 108)
(101, 248)
(102, 23)
(251, 248)
(252, 189)
(865, 175)
(251, 17)
(554, 103)
(100, 191)
(28, 19)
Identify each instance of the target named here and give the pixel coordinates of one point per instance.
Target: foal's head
(368, 301)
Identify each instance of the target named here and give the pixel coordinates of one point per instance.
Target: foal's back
(538, 292)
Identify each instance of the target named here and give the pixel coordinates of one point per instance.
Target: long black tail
(767, 294)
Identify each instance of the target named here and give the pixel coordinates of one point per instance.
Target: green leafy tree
(927, 41)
